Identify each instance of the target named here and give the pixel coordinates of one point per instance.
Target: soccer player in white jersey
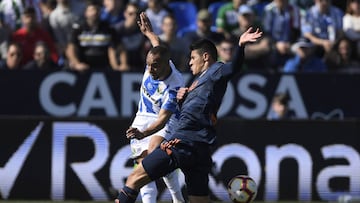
(157, 108)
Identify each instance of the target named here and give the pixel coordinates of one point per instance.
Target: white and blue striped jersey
(159, 94)
(154, 96)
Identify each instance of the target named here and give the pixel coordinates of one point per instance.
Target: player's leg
(197, 186)
(140, 148)
(154, 142)
(137, 179)
(197, 175)
(172, 179)
(172, 183)
(155, 165)
(149, 191)
(132, 187)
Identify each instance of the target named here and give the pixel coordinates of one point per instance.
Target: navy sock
(127, 195)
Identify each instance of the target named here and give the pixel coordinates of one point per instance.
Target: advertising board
(59, 159)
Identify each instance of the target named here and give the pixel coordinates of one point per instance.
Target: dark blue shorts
(194, 160)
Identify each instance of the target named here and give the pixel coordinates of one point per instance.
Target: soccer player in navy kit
(194, 133)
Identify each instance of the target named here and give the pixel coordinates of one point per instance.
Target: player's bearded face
(196, 62)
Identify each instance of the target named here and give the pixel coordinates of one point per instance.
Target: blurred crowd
(81, 35)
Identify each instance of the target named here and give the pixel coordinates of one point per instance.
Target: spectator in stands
(13, 57)
(203, 30)
(156, 12)
(351, 23)
(322, 25)
(279, 109)
(42, 59)
(12, 11)
(47, 7)
(92, 43)
(226, 20)
(30, 34)
(78, 8)
(226, 50)
(38, 5)
(112, 12)
(131, 52)
(142, 4)
(257, 53)
(177, 46)
(305, 60)
(259, 7)
(5, 32)
(281, 23)
(61, 20)
(302, 4)
(342, 58)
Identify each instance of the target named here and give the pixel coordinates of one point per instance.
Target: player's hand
(117, 201)
(132, 133)
(181, 94)
(249, 36)
(144, 24)
(168, 144)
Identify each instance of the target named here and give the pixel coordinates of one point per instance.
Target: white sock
(172, 182)
(149, 193)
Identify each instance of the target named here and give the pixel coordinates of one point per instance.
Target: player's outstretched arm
(146, 28)
(245, 38)
(249, 36)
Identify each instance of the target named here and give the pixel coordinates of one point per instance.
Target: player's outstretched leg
(172, 182)
(149, 193)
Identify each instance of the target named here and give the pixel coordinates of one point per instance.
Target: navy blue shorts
(194, 161)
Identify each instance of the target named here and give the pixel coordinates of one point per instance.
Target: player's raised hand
(249, 36)
(146, 28)
(144, 24)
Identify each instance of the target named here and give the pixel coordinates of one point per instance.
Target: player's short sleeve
(170, 102)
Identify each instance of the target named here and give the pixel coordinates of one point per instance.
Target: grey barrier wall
(115, 94)
(88, 158)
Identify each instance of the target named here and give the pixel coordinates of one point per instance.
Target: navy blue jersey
(198, 111)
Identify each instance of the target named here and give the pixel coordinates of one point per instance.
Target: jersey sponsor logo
(149, 96)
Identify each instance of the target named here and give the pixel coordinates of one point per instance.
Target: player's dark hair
(205, 45)
(161, 50)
